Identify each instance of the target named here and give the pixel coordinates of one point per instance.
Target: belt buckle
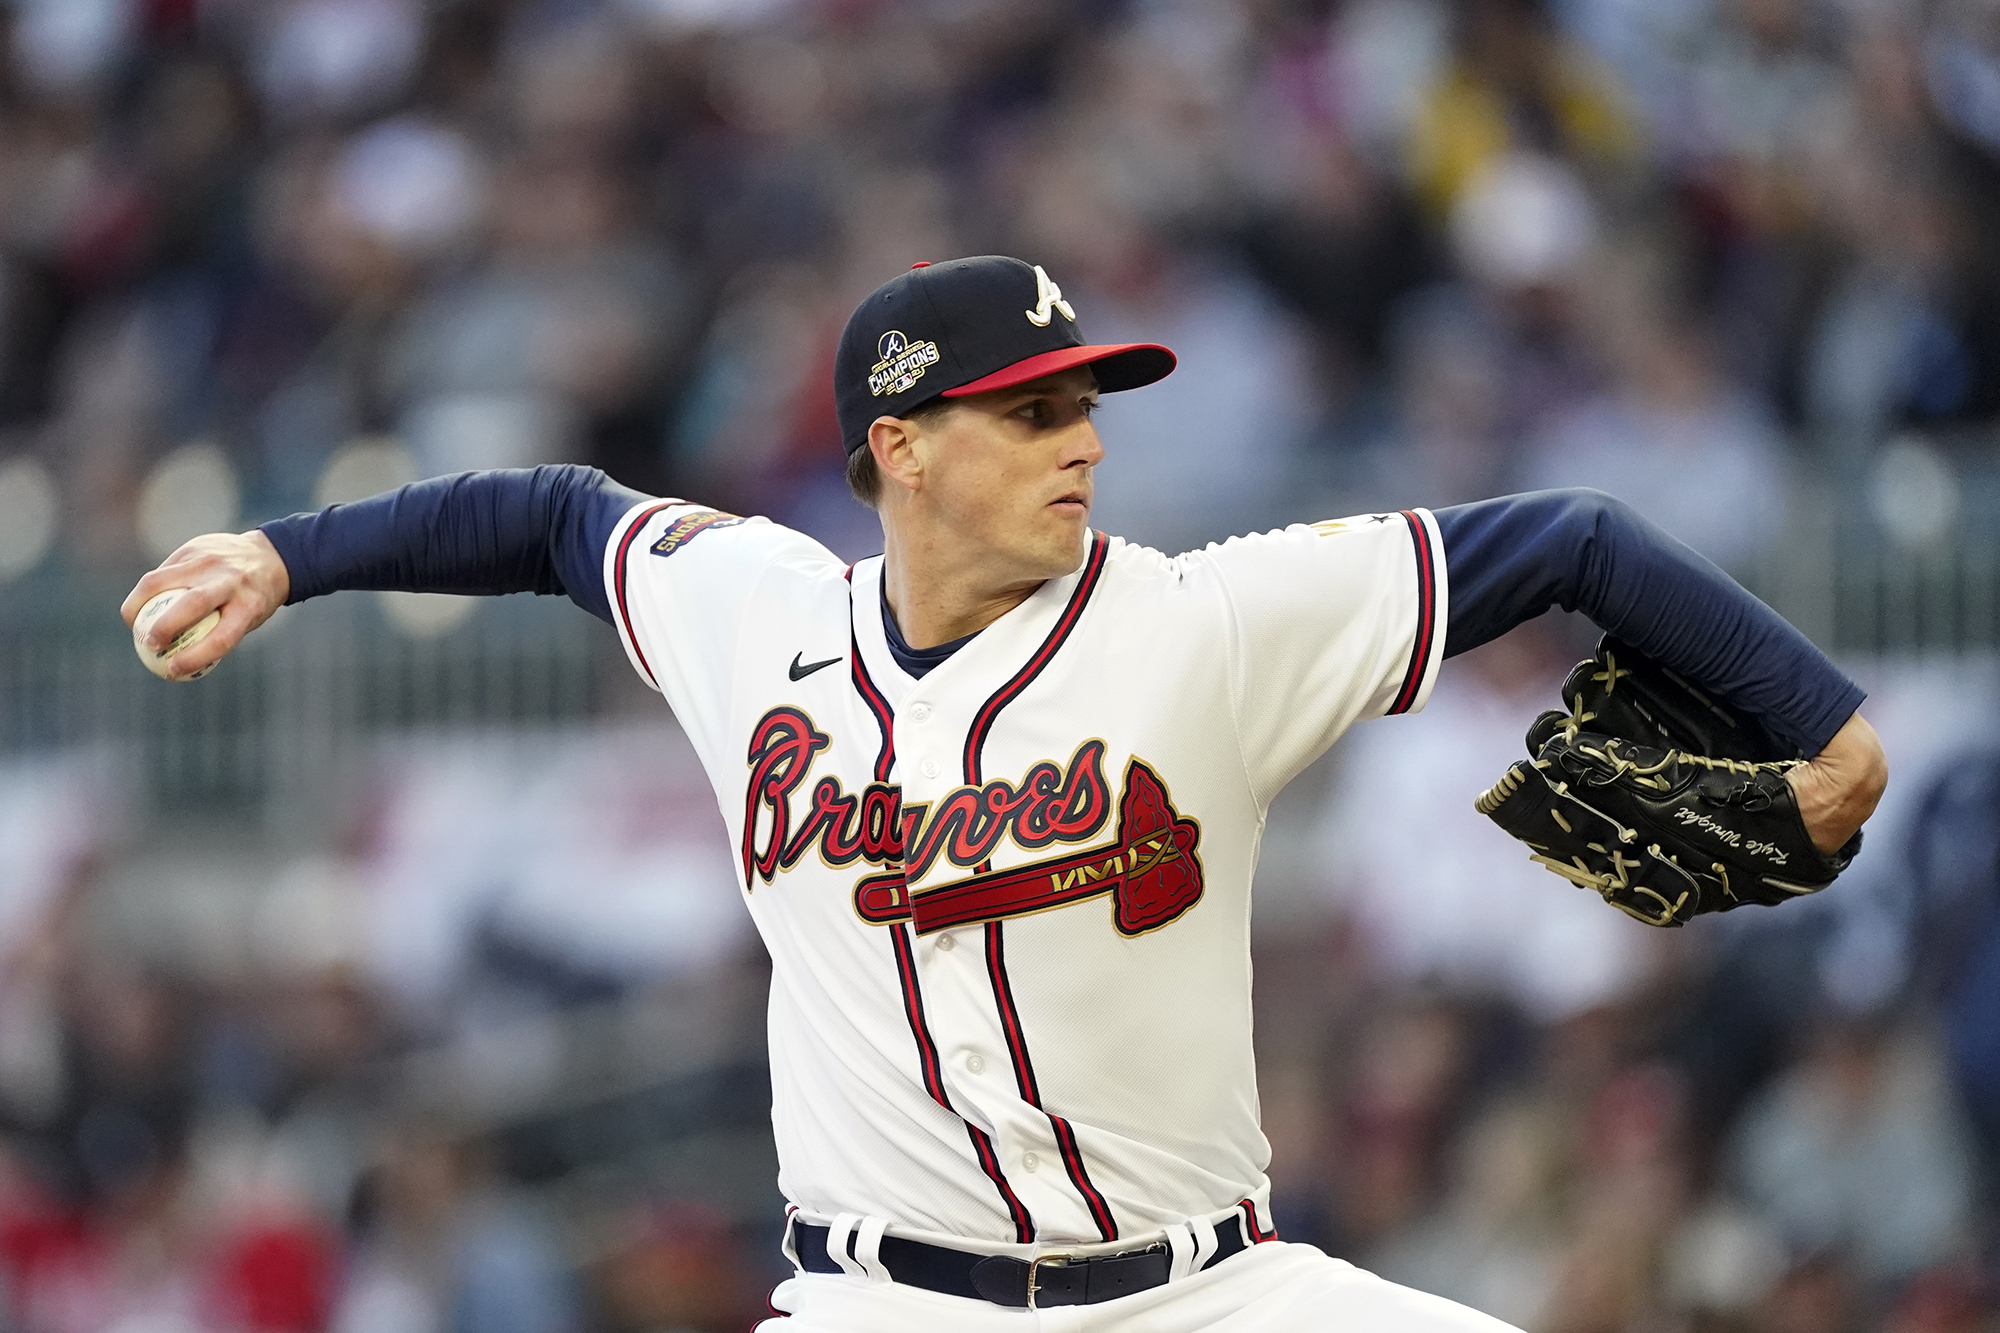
(1059, 1260)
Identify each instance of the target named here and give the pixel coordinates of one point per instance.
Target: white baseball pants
(1275, 1287)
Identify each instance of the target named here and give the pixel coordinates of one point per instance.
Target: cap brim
(1117, 365)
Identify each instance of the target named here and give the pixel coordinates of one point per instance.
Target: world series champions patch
(902, 363)
(689, 526)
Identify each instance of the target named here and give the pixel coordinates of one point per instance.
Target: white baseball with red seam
(149, 615)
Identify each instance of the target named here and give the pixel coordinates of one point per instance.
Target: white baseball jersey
(1007, 904)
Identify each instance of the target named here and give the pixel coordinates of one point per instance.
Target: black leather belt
(1052, 1279)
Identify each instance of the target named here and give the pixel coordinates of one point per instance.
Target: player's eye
(1043, 411)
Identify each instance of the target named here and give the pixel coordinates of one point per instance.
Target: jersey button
(930, 768)
(946, 944)
(976, 1063)
(920, 712)
(1030, 1162)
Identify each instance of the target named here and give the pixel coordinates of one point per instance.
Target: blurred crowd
(1409, 250)
(490, 1064)
(256, 255)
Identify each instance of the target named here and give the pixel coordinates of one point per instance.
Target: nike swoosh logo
(801, 672)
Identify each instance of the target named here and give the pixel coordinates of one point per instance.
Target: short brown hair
(863, 477)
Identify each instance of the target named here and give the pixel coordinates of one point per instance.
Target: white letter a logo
(1048, 297)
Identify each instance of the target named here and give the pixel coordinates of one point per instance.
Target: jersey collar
(991, 656)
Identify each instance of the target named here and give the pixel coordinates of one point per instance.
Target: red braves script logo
(689, 526)
(1149, 867)
(1051, 804)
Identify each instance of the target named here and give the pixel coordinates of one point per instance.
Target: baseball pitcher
(996, 794)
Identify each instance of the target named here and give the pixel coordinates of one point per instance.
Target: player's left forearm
(1838, 788)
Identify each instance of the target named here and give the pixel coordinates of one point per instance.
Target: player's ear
(893, 443)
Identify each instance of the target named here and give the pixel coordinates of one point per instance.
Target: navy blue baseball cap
(966, 326)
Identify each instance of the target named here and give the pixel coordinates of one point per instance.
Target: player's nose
(1083, 447)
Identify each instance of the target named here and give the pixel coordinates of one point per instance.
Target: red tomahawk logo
(1151, 871)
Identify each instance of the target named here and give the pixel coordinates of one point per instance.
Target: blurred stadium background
(391, 979)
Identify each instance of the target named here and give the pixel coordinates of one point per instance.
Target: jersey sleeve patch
(689, 526)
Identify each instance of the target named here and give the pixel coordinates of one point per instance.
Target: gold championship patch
(689, 526)
(902, 363)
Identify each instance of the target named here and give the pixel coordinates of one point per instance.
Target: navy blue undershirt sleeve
(540, 530)
(1509, 560)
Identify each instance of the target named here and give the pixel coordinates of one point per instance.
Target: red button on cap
(921, 263)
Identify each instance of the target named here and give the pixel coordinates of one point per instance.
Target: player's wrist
(1839, 788)
(266, 570)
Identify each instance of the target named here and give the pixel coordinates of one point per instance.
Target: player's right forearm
(540, 530)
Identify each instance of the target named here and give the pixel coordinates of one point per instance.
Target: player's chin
(1068, 544)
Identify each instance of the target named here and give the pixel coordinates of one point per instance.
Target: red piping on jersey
(864, 685)
(982, 1147)
(618, 585)
(913, 1009)
(885, 760)
(906, 966)
(1420, 651)
(975, 739)
(1031, 1093)
(1257, 1237)
(1003, 995)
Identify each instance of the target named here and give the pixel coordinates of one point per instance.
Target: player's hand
(1838, 787)
(240, 575)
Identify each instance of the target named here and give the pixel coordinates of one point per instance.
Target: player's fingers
(154, 581)
(190, 569)
(190, 561)
(237, 620)
(203, 593)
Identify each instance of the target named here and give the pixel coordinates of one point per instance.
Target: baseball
(195, 633)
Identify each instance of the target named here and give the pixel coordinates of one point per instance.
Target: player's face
(1009, 474)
